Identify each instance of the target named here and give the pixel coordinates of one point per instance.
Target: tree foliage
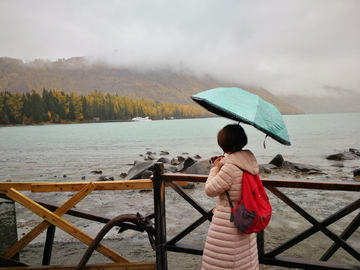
(57, 107)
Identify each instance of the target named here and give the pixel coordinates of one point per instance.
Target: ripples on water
(41, 153)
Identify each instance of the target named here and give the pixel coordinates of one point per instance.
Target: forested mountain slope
(79, 76)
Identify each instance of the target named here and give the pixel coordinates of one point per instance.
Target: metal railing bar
(286, 183)
(311, 185)
(50, 233)
(307, 233)
(171, 177)
(306, 264)
(190, 228)
(185, 248)
(313, 221)
(188, 198)
(345, 235)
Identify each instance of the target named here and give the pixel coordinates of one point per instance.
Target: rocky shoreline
(285, 223)
(143, 168)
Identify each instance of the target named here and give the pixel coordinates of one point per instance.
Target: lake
(48, 152)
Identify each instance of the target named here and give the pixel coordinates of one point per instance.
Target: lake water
(47, 152)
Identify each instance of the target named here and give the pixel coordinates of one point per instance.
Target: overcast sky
(283, 46)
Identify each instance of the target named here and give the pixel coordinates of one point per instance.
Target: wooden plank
(44, 224)
(62, 224)
(107, 266)
(16, 185)
(104, 185)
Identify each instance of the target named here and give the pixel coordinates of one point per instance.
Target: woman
(226, 246)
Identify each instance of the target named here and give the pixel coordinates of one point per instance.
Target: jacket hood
(244, 159)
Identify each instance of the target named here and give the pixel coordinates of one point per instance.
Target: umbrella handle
(264, 141)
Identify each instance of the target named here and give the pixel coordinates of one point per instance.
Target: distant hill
(79, 76)
(335, 100)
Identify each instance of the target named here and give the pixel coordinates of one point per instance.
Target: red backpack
(254, 210)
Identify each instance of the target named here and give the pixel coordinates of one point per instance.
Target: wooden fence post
(160, 218)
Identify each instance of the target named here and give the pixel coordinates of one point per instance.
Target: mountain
(334, 100)
(80, 76)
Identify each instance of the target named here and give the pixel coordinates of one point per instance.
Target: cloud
(283, 46)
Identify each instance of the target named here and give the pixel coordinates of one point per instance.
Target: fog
(284, 46)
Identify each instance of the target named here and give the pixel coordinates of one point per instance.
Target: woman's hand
(217, 161)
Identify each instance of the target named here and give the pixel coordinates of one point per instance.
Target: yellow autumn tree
(15, 105)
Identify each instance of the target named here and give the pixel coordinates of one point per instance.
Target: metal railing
(271, 257)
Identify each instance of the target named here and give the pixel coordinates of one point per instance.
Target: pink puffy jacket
(226, 247)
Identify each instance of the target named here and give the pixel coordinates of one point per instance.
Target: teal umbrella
(239, 105)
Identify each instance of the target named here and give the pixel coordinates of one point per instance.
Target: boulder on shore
(277, 161)
(186, 164)
(343, 156)
(356, 172)
(266, 168)
(355, 151)
(138, 169)
(200, 167)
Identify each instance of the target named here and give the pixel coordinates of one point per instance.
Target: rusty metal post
(260, 244)
(160, 218)
(50, 234)
(8, 226)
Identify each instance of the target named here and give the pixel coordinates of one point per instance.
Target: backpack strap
(228, 196)
(231, 205)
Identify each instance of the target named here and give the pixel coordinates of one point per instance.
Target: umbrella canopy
(239, 105)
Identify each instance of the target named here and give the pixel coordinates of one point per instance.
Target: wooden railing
(52, 216)
(51, 213)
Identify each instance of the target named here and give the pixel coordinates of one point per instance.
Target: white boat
(141, 119)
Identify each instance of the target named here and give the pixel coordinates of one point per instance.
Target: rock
(185, 164)
(266, 168)
(184, 153)
(356, 172)
(150, 153)
(180, 158)
(162, 153)
(339, 165)
(83, 178)
(201, 167)
(355, 151)
(102, 178)
(190, 185)
(152, 157)
(146, 174)
(96, 172)
(277, 161)
(175, 161)
(170, 168)
(197, 157)
(306, 168)
(123, 175)
(163, 160)
(138, 169)
(300, 167)
(287, 165)
(343, 156)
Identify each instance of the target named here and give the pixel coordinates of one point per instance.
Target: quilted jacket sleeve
(219, 180)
